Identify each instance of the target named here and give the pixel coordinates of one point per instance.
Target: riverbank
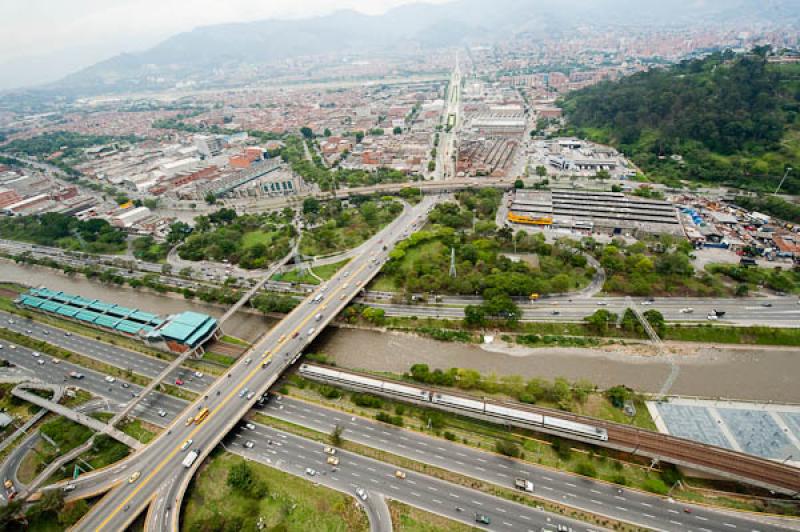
(735, 372)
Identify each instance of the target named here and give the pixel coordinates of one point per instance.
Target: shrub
(449, 436)
(586, 469)
(655, 485)
(366, 400)
(507, 448)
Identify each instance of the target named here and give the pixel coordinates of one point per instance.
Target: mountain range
(409, 27)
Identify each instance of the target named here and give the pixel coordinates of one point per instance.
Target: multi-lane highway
(571, 490)
(231, 396)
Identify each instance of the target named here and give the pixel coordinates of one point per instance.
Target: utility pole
(786, 173)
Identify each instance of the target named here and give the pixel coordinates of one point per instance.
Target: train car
(514, 414)
(457, 402)
(572, 427)
(406, 391)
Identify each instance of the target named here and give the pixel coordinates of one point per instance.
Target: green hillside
(732, 119)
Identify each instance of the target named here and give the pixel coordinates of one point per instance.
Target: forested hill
(731, 119)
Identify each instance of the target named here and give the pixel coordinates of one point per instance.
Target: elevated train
(477, 406)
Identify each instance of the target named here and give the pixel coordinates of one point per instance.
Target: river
(735, 372)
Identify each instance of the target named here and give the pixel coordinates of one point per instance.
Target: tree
(306, 132)
(616, 188)
(311, 206)
(359, 137)
(397, 130)
(507, 448)
(336, 435)
(211, 198)
(602, 175)
(474, 316)
(431, 165)
(327, 132)
(598, 322)
(541, 171)
(240, 477)
(518, 183)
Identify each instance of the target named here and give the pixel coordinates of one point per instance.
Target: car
(555, 313)
(186, 445)
(251, 395)
(36, 354)
(1, 346)
(75, 375)
(12, 346)
(333, 460)
(602, 303)
(310, 472)
(712, 317)
(69, 487)
(687, 310)
(134, 477)
(244, 392)
(687, 510)
(647, 302)
(296, 334)
(400, 474)
(249, 444)
(11, 322)
(40, 362)
(198, 374)
(563, 528)
(109, 379)
(125, 385)
(162, 413)
(46, 333)
(341, 297)
(329, 450)
(179, 382)
(55, 360)
(766, 305)
(67, 333)
(361, 494)
(189, 420)
(482, 519)
(247, 361)
(282, 338)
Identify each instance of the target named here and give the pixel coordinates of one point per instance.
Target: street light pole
(786, 173)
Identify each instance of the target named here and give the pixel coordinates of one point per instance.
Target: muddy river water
(740, 372)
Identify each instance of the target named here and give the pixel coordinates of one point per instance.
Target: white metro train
(521, 417)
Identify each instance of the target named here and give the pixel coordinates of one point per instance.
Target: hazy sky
(45, 39)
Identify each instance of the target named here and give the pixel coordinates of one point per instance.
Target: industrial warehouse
(176, 332)
(589, 211)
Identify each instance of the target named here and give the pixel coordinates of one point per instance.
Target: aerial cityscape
(413, 266)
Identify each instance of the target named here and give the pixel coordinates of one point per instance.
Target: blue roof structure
(188, 328)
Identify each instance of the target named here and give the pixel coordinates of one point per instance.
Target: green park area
(230, 493)
(337, 226)
(64, 231)
(250, 240)
(489, 261)
(407, 518)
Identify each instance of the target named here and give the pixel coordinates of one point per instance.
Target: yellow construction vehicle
(530, 220)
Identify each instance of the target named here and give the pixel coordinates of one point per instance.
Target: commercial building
(612, 212)
(177, 332)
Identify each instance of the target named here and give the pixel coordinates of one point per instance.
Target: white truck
(190, 458)
(523, 484)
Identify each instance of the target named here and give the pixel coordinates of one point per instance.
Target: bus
(199, 418)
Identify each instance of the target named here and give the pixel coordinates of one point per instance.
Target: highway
(782, 312)
(632, 506)
(554, 485)
(445, 165)
(231, 396)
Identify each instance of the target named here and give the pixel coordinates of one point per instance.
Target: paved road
(646, 510)
(119, 357)
(492, 468)
(231, 396)
(783, 312)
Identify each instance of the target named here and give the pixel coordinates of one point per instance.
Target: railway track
(718, 461)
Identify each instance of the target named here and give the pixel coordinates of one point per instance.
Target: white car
(250, 426)
(712, 317)
(35, 354)
(310, 472)
(40, 362)
(162, 413)
(687, 310)
(361, 494)
(109, 379)
(249, 444)
(56, 360)
(602, 303)
(198, 374)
